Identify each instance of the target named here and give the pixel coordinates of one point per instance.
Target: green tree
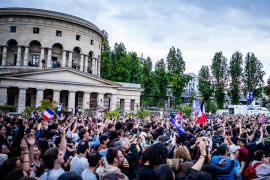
(192, 97)
(106, 61)
(148, 82)
(235, 71)
(176, 68)
(134, 68)
(253, 74)
(119, 71)
(162, 81)
(205, 84)
(219, 72)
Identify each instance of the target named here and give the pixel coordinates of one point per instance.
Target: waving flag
(195, 107)
(262, 119)
(48, 114)
(201, 115)
(177, 123)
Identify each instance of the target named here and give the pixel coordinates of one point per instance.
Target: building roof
(15, 11)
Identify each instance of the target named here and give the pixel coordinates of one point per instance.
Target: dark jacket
(216, 170)
(132, 159)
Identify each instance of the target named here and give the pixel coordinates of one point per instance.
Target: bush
(188, 110)
(87, 111)
(45, 104)
(112, 113)
(143, 113)
(7, 108)
(129, 114)
(27, 111)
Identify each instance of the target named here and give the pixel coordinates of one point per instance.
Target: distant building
(56, 56)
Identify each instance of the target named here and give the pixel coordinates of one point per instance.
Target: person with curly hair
(152, 157)
(182, 153)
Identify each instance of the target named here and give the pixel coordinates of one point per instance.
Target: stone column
(64, 57)
(97, 67)
(19, 55)
(41, 56)
(39, 97)
(3, 96)
(100, 102)
(81, 62)
(86, 100)
(98, 71)
(49, 58)
(113, 102)
(70, 59)
(56, 96)
(21, 99)
(86, 64)
(71, 101)
(4, 56)
(93, 65)
(26, 53)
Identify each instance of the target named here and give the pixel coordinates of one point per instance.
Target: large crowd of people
(128, 147)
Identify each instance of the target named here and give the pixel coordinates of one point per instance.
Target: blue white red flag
(201, 115)
(48, 114)
(177, 123)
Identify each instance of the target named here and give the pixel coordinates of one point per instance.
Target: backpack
(250, 172)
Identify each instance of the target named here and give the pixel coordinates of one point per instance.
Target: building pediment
(61, 75)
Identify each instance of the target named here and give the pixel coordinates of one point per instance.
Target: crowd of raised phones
(120, 148)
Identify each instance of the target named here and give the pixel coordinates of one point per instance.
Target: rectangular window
(59, 33)
(78, 37)
(36, 30)
(28, 100)
(34, 61)
(1, 59)
(99, 46)
(92, 42)
(11, 98)
(132, 102)
(13, 29)
(122, 104)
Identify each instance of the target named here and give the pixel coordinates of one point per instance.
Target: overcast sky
(199, 28)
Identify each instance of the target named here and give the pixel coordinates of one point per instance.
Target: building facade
(56, 56)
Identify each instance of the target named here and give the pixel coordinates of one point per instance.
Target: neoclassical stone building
(71, 49)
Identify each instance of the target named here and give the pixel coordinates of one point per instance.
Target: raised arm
(198, 165)
(63, 142)
(261, 137)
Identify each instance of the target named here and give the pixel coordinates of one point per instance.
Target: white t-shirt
(59, 107)
(88, 175)
(52, 174)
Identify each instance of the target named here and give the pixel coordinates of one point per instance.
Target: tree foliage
(205, 84)
(106, 60)
(219, 73)
(253, 74)
(176, 68)
(235, 71)
(162, 81)
(148, 82)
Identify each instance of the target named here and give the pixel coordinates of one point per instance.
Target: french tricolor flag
(48, 114)
(201, 115)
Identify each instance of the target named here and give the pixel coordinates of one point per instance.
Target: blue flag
(177, 123)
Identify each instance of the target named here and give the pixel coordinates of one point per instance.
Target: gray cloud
(199, 28)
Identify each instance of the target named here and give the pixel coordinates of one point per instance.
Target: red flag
(201, 116)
